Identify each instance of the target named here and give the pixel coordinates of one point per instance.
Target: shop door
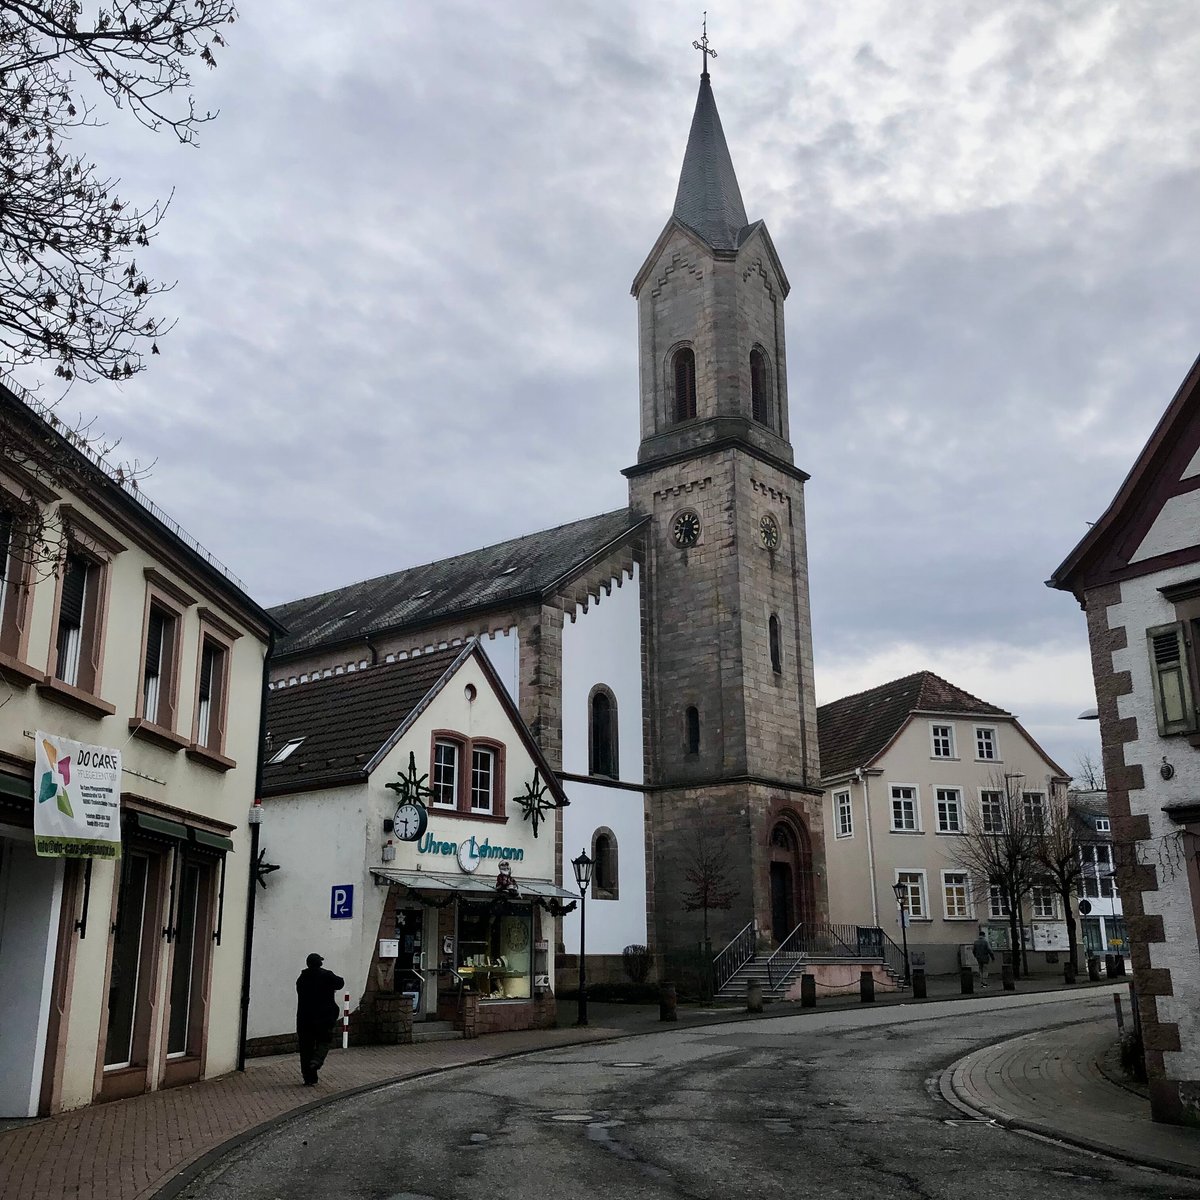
(30, 894)
(410, 961)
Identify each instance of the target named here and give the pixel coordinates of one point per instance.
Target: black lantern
(901, 890)
(582, 866)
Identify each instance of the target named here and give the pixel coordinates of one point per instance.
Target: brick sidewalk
(1051, 1083)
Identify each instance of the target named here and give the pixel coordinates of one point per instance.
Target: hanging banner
(76, 799)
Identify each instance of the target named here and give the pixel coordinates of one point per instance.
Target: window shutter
(155, 631)
(758, 385)
(207, 659)
(6, 530)
(1173, 701)
(685, 385)
(74, 588)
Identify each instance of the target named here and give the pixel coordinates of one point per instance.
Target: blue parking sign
(341, 902)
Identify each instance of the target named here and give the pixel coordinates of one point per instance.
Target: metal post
(904, 939)
(583, 1014)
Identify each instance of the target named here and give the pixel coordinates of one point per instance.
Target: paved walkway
(149, 1146)
(1051, 1083)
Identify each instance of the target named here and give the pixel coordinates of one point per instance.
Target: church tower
(731, 728)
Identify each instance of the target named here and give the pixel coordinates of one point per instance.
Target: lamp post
(902, 900)
(583, 876)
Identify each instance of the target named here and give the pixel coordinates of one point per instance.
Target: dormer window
(760, 402)
(684, 374)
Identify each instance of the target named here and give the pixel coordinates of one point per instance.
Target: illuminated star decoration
(535, 804)
(411, 788)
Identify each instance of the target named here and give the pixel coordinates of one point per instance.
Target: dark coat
(982, 951)
(316, 1000)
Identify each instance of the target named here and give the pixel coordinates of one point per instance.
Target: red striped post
(346, 1021)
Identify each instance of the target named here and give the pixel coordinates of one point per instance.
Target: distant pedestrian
(983, 956)
(316, 1015)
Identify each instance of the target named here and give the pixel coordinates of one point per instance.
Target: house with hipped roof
(414, 823)
(909, 770)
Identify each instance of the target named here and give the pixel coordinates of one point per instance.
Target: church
(660, 654)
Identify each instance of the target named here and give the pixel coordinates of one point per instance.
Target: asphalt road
(826, 1105)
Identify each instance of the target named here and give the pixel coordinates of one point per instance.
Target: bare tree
(707, 873)
(1089, 774)
(999, 846)
(71, 290)
(1057, 851)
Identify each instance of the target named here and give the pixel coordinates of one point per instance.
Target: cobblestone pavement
(1051, 1083)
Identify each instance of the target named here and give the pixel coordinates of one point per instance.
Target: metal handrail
(736, 954)
(828, 941)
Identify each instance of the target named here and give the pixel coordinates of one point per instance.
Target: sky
(404, 249)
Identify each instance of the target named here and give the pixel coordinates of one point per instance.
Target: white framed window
(905, 817)
(445, 774)
(1044, 903)
(986, 749)
(483, 780)
(991, 805)
(949, 810)
(941, 741)
(956, 896)
(843, 814)
(1033, 811)
(1096, 880)
(286, 751)
(913, 893)
(1103, 825)
(997, 902)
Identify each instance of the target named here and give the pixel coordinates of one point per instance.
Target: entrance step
(434, 1031)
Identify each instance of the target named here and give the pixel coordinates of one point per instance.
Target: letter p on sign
(341, 902)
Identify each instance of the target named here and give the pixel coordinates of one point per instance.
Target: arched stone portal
(790, 877)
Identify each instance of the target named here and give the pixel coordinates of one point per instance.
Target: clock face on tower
(768, 532)
(685, 529)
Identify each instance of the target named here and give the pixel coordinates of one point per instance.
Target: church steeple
(709, 201)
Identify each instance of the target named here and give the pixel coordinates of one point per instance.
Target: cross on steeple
(702, 46)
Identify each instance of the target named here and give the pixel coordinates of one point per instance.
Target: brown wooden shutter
(1173, 701)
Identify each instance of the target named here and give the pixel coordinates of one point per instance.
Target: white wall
(1141, 607)
(504, 651)
(604, 645)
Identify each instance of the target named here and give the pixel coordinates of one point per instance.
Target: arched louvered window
(684, 365)
(760, 402)
(776, 652)
(602, 733)
(605, 874)
(692, 721)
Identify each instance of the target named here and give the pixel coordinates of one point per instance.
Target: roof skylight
(288, 749)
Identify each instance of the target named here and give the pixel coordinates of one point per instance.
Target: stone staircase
(434, 1031)
(755, 971)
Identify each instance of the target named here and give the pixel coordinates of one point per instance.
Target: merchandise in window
(495, 950)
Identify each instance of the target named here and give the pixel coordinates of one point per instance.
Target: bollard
(666, 1003)
(808, 991)
(1120, 1013)
(866, 987)
(1093, 968)
(966, 981)
(1007, 979)
(920, 990)
(754, 997)
(1068, 972)
(1110, 966)
(1120, 965)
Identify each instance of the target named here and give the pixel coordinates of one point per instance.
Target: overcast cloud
(404, 254)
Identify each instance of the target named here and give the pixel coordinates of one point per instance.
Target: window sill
(843, 837)
(604, 894)
(944, 758)
(22, 670)
(909, 832)
(951, 833)
(158, 735)
(459, 815)
(73, 697)
(209, 758)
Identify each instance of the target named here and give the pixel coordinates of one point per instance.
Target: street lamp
(583, 876)
(901, 891)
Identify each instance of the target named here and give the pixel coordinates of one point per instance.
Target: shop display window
(495, 950)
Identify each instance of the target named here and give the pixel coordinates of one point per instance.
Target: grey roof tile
(439, 590)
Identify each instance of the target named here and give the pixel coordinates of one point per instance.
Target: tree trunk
(1014, 940)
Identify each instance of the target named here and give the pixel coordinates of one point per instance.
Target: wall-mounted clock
(411, 821)
(685, 529)
(768, 532)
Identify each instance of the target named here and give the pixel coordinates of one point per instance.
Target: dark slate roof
(853, 730)
(709, 201)
(345, 719)
(482, 579)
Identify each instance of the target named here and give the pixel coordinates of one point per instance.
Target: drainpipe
(255, 817)
(865, 780)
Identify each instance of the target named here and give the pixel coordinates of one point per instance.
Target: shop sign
(76, 799)
(470, 852)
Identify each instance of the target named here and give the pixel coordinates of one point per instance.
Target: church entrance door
(782, 893)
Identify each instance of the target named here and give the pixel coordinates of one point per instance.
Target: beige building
(122, 958)
(908, 769)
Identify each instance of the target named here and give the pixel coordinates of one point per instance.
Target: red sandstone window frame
(465, 748)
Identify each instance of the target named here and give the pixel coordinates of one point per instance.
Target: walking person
(316, 1015)
(983, 955)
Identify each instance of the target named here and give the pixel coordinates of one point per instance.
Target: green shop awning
(160, 827)
(468, 885)
(213, 841)
(18, 789)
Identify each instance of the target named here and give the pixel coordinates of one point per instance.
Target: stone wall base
(1175, 1101)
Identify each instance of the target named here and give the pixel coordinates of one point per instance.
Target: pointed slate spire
(709, 201)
